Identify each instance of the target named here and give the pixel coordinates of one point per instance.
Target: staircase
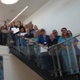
(14, 68)
(43, 73)
(27, 55)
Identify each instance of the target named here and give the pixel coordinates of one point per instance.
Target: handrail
(60, 42)
(63, 41)
(29, 53)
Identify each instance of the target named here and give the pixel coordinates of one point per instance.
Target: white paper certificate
(15, 30)
(22, 34)
(44, 49)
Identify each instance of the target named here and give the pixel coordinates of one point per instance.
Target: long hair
(69, 33)
(63, 36)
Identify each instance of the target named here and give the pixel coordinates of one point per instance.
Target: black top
(52, 42)
(13, 27)
(28, 36)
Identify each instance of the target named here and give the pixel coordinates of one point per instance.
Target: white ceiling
(8, 12)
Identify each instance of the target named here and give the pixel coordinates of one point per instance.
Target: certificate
(43, 49)
(15, 30)
(22, 34)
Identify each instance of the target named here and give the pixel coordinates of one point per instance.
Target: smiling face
(43, 32)
(55, 32)
(52, 36)
(35, 34)
(69, 33)
(64, 32)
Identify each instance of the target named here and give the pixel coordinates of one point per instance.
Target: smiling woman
(9, 1)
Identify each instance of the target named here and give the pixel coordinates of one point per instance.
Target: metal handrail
(63, 41)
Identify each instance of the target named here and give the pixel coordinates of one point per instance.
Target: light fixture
(9, 1)
(18, 14)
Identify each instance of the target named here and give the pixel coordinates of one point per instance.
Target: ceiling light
(9, 1)
(18, 14)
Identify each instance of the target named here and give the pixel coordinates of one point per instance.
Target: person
(19, 24)
(55, 32)
(12, 33)
(4, 30)
(43, 42)
(28, 35)
(77, 50)
(64, 52)
(12, 26)
(31, 29)
(35, 28)
(21, 34)
(52, 56)
(34, 40)
(52, 40)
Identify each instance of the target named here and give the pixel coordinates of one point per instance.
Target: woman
(77, 50)
(21, 35)
(34, 40)
(65, 51)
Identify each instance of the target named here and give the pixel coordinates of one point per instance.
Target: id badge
(45, 42)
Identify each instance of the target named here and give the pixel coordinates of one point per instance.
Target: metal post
(28, 50)
(74, 56)
(54, 63)
(69, 58)
(56, 49)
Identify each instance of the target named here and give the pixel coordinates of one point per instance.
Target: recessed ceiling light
(9, 1)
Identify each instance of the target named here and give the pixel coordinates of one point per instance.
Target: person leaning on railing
(21, 34)
(71, 67)
(51, 52)
(43, 42)
(34, 40)
(77, 50)
(11, 32)
(55, 32)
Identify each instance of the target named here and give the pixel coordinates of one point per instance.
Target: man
(4, 30)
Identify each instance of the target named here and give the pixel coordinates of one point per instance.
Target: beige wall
(14, 69)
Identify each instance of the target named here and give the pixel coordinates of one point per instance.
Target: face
(69, 33)
(18, 23)
(35, 27)
(22, 29)
(55, 32)
(43, 32)
(31, 27)
(64, 31)
(35, 34)
(27, 30)
(13, 23)
(52, 36)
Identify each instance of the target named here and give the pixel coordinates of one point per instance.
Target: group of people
(43, 41)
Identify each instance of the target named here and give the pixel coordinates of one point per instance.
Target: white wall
(56, 14)
(14, 69)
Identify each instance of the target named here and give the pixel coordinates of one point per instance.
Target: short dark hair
(42, 30)
(63, 28)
